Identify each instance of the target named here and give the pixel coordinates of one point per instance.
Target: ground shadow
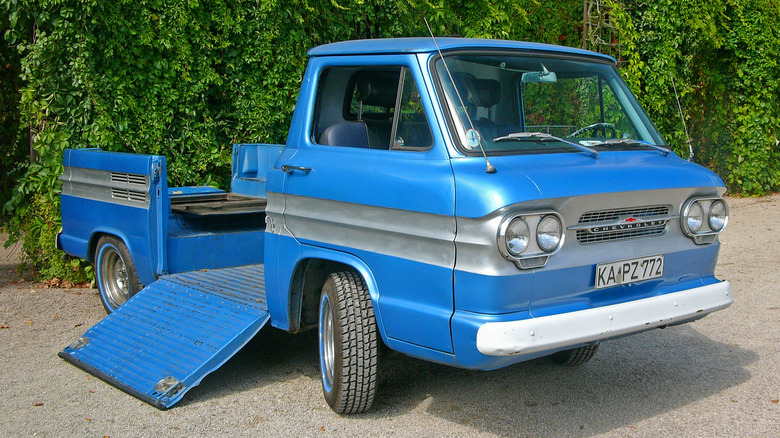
(629, 380)
(272, 356)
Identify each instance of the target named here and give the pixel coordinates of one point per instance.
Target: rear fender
(138, 250)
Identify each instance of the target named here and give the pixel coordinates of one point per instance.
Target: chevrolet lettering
(627, 226)
(460, 201)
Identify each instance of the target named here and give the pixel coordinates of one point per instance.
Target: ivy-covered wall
(187, 78)
(723, 58)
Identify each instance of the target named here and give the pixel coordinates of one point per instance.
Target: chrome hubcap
(327, 344)
(114, 279)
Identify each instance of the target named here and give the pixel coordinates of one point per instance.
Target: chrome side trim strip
(421, 237)
(555, 331)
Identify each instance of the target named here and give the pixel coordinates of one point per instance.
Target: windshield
(560, 104)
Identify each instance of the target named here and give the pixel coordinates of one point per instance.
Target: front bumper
(555, 332)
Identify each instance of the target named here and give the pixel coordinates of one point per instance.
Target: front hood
(524, 178)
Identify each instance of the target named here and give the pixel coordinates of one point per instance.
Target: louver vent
(128, 195)
(128, 178)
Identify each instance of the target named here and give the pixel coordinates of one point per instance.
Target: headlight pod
(703, 218)
(530, 239)
(549, 233)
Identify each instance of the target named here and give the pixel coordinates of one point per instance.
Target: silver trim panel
(102, 185)
(421, 237)
(428, 238)
(478, 251)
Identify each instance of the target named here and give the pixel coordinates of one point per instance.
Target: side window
(412, 131)
(372, 108)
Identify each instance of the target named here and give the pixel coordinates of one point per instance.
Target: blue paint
(251, 163)
(184, 326)
(424, 310)
(523, 178)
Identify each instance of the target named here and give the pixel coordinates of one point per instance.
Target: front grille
(648, 212)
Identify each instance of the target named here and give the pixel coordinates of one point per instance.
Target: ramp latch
(168, 386)
(80, 343)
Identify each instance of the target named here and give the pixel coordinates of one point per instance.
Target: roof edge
(428, 45)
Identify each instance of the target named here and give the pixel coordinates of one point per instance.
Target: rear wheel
(116, 275)
(348, 344)
(575, 356)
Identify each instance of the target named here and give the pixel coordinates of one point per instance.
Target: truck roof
(427, 45)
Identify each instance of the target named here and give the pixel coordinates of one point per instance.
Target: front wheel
(348, 344)
(575, 356)
(116, 275)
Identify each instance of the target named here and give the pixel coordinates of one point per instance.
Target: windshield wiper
(542, 136)
(632, 142)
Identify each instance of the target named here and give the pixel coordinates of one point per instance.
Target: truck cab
(469, 202)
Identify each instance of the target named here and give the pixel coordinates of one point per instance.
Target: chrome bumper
(575, 328)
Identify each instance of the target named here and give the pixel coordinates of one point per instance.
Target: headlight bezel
(533, 255)
(705, 233)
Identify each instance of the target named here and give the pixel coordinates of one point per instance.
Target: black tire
(117, 278)
(575, 356)
(348, 344)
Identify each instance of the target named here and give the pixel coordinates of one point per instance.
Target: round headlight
(695, 217)
(517, 236)
(549, 232)
(718, 215)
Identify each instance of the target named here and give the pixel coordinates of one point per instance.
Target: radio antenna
(489, 168)
(688, 138)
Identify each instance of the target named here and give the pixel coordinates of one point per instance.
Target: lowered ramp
(174, 332)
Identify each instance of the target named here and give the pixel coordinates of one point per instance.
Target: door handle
(290, 169)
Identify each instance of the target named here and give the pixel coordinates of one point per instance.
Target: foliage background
(187, 78)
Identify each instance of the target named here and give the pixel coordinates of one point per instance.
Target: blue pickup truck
(469, 202)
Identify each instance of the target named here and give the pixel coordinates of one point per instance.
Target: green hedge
(187, 79)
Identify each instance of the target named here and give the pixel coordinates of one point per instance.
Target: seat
(486, 93)
(352, 134)
(377, 89)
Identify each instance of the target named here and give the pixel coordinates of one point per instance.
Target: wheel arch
(309, 275)
(145, 273)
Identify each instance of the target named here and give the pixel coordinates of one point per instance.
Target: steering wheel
(595, 127)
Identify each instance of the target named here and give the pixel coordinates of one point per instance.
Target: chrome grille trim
(609, 215)
(659, 212)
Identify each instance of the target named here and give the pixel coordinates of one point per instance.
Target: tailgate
(174, 332)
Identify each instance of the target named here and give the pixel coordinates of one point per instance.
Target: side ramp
(164, 340)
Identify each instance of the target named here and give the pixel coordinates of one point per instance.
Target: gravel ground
(715, 377)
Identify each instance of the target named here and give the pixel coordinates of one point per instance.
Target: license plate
(629, 271)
